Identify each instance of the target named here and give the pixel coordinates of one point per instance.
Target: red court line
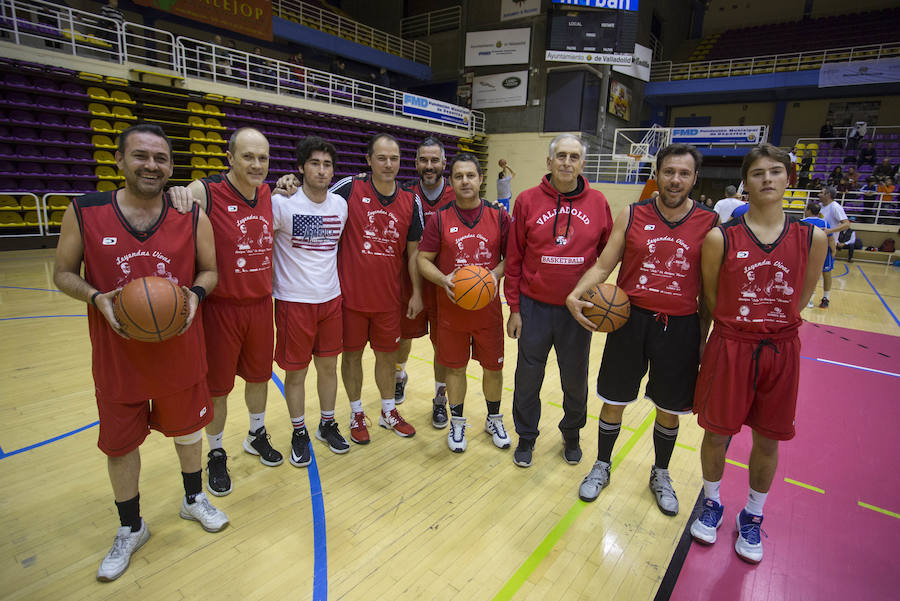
(820, 546)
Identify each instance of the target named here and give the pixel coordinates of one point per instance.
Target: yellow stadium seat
(102, 141)
(123, 112)
(116, 80)
(105, 185)
(215, 162)
(212, 109)
(11, 219)
(197, 148)
(215, 150)
(198, 162)
(102, 125)
(196, 134)
(90, 76)
(213, 122)
(28, 202)
(121, 126)
(104, 157)
(197, 174)
(97, 93)
(195, 107)
(196, 121)
(58, 201)
(122, 97)
(213, 136)
(214, 97)
(107, 172)
(55, 218)
(812, 146)
(8, 202)
(232, 100)
(99, 110)
(31, 218)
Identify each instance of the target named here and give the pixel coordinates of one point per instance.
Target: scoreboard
(600, 31)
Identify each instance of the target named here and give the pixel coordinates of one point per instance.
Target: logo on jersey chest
(232, 208)
(649, 227)
(110, 241)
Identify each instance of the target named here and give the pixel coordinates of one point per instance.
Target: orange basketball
(151, 309)
(473, 287)
(611, 307)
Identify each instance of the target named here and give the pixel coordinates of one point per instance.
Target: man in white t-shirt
(837, 221)
(504, 184)
(728, 204)
(307, 292)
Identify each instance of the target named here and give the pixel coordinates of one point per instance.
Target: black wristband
(94, 298)
(200, 291)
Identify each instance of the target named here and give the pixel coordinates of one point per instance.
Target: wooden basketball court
(399, 519)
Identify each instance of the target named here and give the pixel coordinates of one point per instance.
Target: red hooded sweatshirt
(555, 238)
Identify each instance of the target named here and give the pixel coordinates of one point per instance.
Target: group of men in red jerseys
(348, 264)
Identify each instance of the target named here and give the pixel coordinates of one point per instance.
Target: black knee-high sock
(493, 407)
(193, 484)
(664, 444)
(456, 410)
(130, 513)
(606, 439)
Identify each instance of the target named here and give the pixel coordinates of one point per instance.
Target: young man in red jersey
(658, 242)
(307, 291)
(559, 229)
(750, 369)
(240, 337)
(434, 193)
(383, 220)
(135, 224)
(469, 231)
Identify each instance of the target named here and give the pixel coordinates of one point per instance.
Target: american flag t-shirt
(315, 232)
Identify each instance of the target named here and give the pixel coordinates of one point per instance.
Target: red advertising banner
(247, 17)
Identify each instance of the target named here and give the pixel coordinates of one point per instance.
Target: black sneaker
(522, 454)
(400, 389)
(572, 451)
(218, 482)
(824, 303)
(328, 432)
(300, 454)
(439, 414)
(257, 443)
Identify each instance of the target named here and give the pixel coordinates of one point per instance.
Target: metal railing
(606, 168)
(873, 208)
(758, 65)
(445, 19)
(329, 22)
(226, 65)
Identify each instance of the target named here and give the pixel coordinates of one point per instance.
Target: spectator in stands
(884, 169)
(382, 78)
(262, 68)
(869, 194)
(803, 174)
(853, 178)
(235, 61)
(339, 69)
(728, 204)
(836, 174)
(107, 32)
(834, 215)
(847, 239)
(298, 69)
(866, 155)
(220, 57)
(792, 173)
(815, 184)
(886, 187)
(827, 131)
(856, 134)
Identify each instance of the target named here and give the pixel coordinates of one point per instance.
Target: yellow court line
(879, 509)
(737, 463)
(804, 485)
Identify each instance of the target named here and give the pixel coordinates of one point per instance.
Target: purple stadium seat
(73, 89)
(42, 83)
(52, 135)
(7, 168)
(78, 138)
(77, 123)
(20, 99)
(49, 119)
(55, 152)
(80, 154)
(27, 150)
(7, 184)
(33, 185)
(81, 171)
(25, 133)
(30, 168)
(17, 81)
(47, 102)
(6, 149)
(56, 169)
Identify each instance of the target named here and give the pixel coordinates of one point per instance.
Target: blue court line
(846, 271)
(40, 316)
(320, 541)
(24, 288)
(851, 366)
(896, 321)
(4, 455)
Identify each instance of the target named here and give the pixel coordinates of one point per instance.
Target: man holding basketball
(658, 242)
(469, 231)
(751, 368)
(434, 193)
(559, 229)
(238, 317)
(136, 224)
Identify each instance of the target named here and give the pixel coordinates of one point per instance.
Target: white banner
(749, 134)
(516, 9)
(640, 68)
(631, 5)
(498, 47)
(566, 56)
(435, 109)
(885, 70)
(501, 89)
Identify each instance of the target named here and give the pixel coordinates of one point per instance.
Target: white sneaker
(494, 426)
(116, 561)
(201, 510)
(456, 437)
(661, 485)
(810, 304)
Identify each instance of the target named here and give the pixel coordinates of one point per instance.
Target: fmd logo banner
(629, 5)
(435, 109)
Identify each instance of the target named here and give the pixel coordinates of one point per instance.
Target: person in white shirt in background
(834, 215)
(728, 204)
(504, 184)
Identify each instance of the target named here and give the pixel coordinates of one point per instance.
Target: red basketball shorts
(749, 379)
(485, 345)
(125, 425)
(240, 339)
(425, 321)
(380, 329)
(306, 329)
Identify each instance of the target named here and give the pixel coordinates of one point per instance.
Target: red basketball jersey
(243, 231)
(760, 284)
(370, 255)
(115, 254)
(660, 268)
(479, 243)
(429, 209)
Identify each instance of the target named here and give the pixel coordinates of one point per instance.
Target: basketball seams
(485, 283)
(150, 306)
(148, 288)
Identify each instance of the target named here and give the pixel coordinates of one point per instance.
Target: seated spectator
(866, 155)
(803, 174)
(107, 32)
(235, 62)
(869, 194)
(886, 187)
(815, 184)
(853, 178)
(836, 174)
(298, 69)
(844, 184)
(220, 57)
(382, 79)
(827, 130)
(339, 69)
(856, 134)
(847, 239)
(261, 67)
(884, 168)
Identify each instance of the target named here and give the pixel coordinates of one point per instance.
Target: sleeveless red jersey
(429, 209)
(479, 243)
(115, 254)
(760, 284)
(660, 268)
(370, 254)
(243, 231)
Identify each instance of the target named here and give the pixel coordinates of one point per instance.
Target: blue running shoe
(748, 544)
(704, 527)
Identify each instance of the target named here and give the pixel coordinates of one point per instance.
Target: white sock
(826, 294)
(387, 405)
(298, 422)
(215, 440)
(440, 389)
(257, 421)
(400, 370)
(755, 502)
(356, 406)
(711, 490)
(328, 416)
